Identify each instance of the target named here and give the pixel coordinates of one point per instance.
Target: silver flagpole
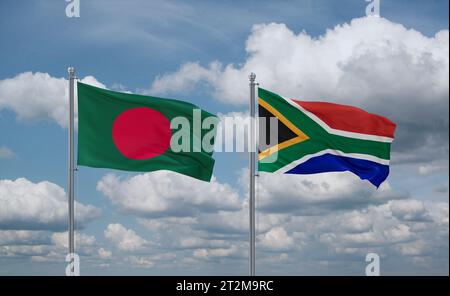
(71, 199)
(252, 149)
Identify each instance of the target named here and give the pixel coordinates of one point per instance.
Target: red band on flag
(350, 119)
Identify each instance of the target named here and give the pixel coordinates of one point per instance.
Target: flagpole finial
(71, 71)
(252, 77)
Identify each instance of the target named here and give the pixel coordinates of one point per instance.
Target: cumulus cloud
(325, 67)
(39, 96)
(439, 212)
(324, 218)
(186, 234)
(214, 253)
(277, 239)
(104, 254)
(429, 169)
(23, 237)
(186, 78)
(124, 239)
(408, 230)
(237, 223)
(140, 261)
(345, 237)
(60, 239)
(165, 193)
(312, 194)
(415, 248)
(24, 250)
(409, 210)
(25, 205)
(371, 62)
(43, 246)
(397, 227)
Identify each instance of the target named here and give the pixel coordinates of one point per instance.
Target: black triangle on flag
(284, 133)
(273, 138)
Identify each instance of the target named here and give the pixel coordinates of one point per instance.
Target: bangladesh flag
(141, 133)
(317, 137)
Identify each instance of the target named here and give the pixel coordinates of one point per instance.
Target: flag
(317, 137)
(136, 133)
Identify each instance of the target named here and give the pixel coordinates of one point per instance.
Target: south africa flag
(317, 137)
(141, 133)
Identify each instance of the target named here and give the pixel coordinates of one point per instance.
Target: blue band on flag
(374, 172)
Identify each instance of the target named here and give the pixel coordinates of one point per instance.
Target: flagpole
(252, 149)
(71, 199)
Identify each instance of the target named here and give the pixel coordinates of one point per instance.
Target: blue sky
(143, 47)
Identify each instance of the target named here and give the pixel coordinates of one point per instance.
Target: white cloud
(162, 224)
(24, 250)
(355, 221)
(310, 194)
(39, 96)
(149, 261)
(409, 210)
(393, 223)
(237, 223)
(186, 78)
(140, 262)
(415, 248)
(165, 193)
(191, 242)
(408, 232)
(429, 169)
(43, 246)
(381, 235)
(23, 237)
(398, 233)
(35, 206)
(325, 218)
(124, 239)
(371, 62)
(212, 253)
(277, 239)
(104, 254)
(319, 68)
(61, 240)
(439, 212)
(6, 153)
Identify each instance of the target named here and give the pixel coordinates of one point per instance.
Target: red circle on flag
(141, 133)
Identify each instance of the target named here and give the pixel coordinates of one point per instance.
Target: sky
(396, 65)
